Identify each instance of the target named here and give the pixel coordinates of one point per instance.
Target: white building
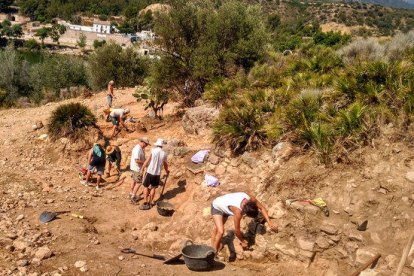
(102, 27)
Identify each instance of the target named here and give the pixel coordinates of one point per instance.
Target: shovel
(47, 216)
(163, 186)
(132, 251)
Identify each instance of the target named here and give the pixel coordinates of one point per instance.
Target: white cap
(159, 142)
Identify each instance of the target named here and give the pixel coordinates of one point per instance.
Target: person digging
(96, 163)
(110, 94)
(137, 161)
(114, 157)
(155, 162)
(118, 116)
(236, 205)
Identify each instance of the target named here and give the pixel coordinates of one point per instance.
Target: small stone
(322, 242)
(354, 236)
(20, 217)
(383, 191)
(121, 258)
(213, 159)
(143, 265)
(329, 229)
(363, 255)
(84, 268)
(150, 226)
(405, 199)
(79, 264)
(22, 263)
(43, 253)
(305, 244)
(410, 176)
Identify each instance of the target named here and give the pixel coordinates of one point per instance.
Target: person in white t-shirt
(117, 117)
(237, 205)
(155, 162)
(137, 160)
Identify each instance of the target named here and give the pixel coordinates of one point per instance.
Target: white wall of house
(101, 28)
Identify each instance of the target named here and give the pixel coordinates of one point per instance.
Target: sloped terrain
(374, 184)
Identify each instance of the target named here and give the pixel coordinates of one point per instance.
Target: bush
(70, 120)
(31, 44)
(98, 43)
(362, 50)
(243, 123)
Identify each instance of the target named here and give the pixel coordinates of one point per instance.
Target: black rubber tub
(165, 208)
(198, 257)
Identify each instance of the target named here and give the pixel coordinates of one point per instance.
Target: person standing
(236, 205)
(155, 162)
(118, 116)
(110, 93)
(137, 160)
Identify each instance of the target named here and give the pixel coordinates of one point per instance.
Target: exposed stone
(20, 217)
(329, 229)
(410, 176)
(307, 254)
(20, 245)
(181, 151)
(375, 237)
(213, 159)
(121, 258)
(282, 151)
(79, 264)
(391, 261)
(286, 250)
(355, 236)
(22, 263)
(197, 119)
(364, 254)
(84, 268)
(311, 209)
(351, 246)
(43, 253)
(305, 244)
(152, 226)
(220, 170)
(249, 160)
(277, 211)
(322, 242)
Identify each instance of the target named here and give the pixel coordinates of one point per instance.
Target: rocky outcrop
(196, 120)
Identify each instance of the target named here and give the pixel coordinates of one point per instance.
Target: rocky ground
(376, 185)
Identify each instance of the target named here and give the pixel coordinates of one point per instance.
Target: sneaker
(97, 188)
(145, 206)
(134, 200)
(84, 183)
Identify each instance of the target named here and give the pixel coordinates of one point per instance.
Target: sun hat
(159, 142)
(111, 82)
(109, 149)
(145, 140)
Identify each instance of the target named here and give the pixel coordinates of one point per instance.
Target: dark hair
(250, 209)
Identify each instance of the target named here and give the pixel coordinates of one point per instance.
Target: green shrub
(32, 44)
(303, 109)
(243, 123)
(350, 120)
(98, 43)
(70, 120)
(321, 137)
(219, 92)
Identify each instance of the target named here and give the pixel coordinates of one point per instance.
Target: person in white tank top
(237, 205)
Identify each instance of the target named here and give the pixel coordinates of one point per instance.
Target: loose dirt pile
(37, 175)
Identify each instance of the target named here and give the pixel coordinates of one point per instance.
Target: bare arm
(90, 156)
(237, 219)
(144, 166)
(264, 212)
(166, 167)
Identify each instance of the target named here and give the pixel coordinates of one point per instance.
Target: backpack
(98, 155)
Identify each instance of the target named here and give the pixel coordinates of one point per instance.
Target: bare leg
(98, 180)
(152, 196)
(88, 176)
(135, 189)
(146, 195)
(218, 231)
(113, 131)
(109, 168)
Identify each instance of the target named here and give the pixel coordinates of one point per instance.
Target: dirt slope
(37, 175)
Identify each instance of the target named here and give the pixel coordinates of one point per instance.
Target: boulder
(282, 151)
(181, 151)
(197, 119)
(322, 242)
(249, 160)
(213, 159)
(364, 254)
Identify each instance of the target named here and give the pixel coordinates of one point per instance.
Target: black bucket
(165, 208)
(198, 257)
